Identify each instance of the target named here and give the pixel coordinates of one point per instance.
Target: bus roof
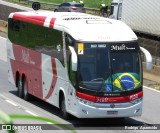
(81, 26)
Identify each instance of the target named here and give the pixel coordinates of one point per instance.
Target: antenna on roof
(36, 6)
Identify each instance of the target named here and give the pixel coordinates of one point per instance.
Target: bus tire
(26, 95)
(20, 89)
(64, 113)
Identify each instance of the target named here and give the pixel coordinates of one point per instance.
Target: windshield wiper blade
(98, 79)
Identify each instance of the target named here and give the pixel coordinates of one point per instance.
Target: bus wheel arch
(62, 105)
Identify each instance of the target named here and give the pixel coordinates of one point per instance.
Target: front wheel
(64, 113)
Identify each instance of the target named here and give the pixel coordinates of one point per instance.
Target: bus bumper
(87, 111)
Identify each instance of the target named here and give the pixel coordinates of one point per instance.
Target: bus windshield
(109, 67)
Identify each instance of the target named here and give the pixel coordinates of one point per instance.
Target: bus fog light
(85, 101)
(137, 110)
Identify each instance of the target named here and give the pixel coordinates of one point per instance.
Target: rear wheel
(64, 113)
(25, 91)
(20, 89)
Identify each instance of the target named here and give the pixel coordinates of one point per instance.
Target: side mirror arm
(73, 58)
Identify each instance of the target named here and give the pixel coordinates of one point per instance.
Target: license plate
(112, 112)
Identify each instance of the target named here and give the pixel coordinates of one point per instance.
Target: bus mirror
(69, 40)
(73, 59)
(148, 58)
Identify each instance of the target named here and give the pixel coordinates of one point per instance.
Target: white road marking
(31, 113)
(152, 89)
(11, 102)
(17, 105)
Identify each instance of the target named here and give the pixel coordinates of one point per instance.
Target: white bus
(85, 65)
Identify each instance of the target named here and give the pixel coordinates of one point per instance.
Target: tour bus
(85, 65)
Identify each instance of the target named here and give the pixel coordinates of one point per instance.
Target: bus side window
(14, 30)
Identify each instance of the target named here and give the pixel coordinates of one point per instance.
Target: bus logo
(25, 56)
(116, 47)
(101, 99)
(122, 47)
(133, 97)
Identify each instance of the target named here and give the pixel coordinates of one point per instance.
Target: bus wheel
(25, 91)
(64, 113)
(20, 89)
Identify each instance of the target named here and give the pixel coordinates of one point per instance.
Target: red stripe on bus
(120, 99)
(51, 25)
(54, 80)
(39, 20)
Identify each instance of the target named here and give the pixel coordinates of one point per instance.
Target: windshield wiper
(97, 79)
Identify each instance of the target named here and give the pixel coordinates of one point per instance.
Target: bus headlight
(85, 101)
(136, 101)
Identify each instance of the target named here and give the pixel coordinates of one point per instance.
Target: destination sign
(114, 47)
(98, 46)
(95, 45)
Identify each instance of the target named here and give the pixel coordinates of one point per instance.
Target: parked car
(70, 7)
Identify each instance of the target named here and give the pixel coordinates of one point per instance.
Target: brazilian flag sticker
(124, 81)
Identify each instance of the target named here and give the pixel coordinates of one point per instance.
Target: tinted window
(39, 38)
(65, 4)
